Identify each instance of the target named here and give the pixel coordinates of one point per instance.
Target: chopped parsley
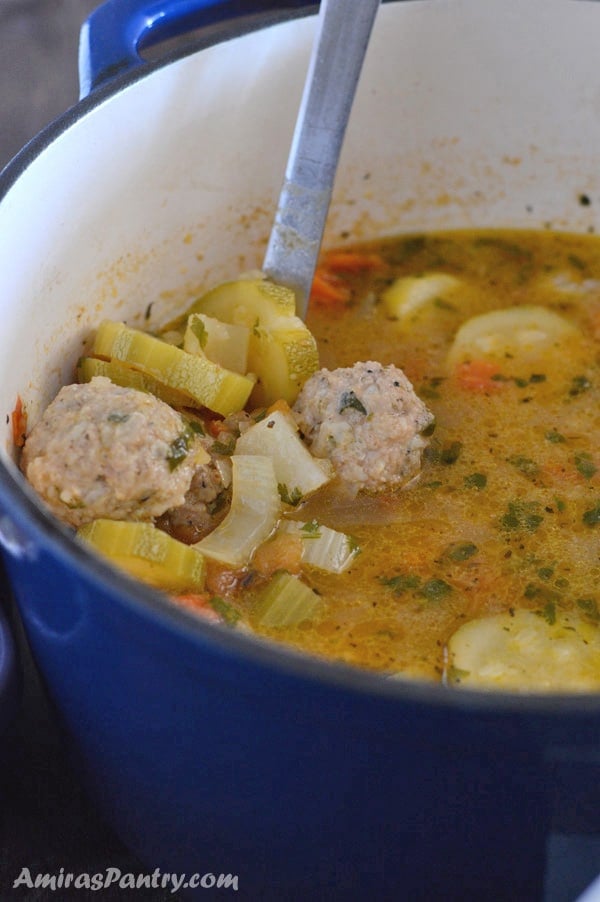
(475, 481)
(579, 384)
(522, 515)
(179, 448)
(348, 400)
(401, 583)
(311, 529)
(292, 497)
(461, 551)
(226, 611)
(591, 517)
(585, 465)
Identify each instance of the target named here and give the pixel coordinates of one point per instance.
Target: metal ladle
(343, 32)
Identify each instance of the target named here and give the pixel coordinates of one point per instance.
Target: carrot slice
(352, 261)
(327, 289)
(479, 376)
(19, 423)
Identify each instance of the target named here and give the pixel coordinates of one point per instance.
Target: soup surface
(483, 567)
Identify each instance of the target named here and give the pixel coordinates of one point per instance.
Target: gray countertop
(46, 821)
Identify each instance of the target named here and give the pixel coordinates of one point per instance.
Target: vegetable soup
(409, 482)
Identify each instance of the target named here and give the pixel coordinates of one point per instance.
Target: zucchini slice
(205, 383)
(127, 377)
(411, 295)
(282, 351)
(515, 333)
(526, 651)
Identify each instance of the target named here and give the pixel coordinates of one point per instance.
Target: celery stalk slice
(147, 553)
(252, 517)
(322, 546)
(206, 383)
(286, 601)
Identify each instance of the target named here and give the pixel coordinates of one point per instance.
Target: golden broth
(506, 513)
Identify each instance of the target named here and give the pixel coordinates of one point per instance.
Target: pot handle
(113, 34)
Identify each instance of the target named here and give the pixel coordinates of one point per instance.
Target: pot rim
(25, 511)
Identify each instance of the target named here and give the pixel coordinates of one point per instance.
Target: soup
(462, 548)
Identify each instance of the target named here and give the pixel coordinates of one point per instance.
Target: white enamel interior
(470, 112)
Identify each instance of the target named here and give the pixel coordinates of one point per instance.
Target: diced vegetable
(516, 332)
(282, 351)
(479, 376)
(526, 651)
(409, 295)
(147, 553)
(252, 517)
(127, 377)
(223, 343)
(322, 546)
(18, 420)
(328, 289)
(207, 384)
(295, 467)
(286, 601)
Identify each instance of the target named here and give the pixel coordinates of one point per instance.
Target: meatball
(368, 421)
(105, 451)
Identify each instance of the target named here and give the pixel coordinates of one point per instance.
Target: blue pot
(210, 752)
(9, 683)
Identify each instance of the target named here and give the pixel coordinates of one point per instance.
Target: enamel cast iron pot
(210, 751)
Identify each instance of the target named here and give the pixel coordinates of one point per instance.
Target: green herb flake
(401, 583)
(116, 417)
(196, 427)
(199, 331)
(591, 517)
(225, 449)
(226, 611)
(522, 515)
(312, 529)
(545, 572)
(548, 612)
(585, 465)
(450, 453)
(435, 589)
(461, 551)
(579, 384)
(292, 497)
(589, 606)
(524, 465)
(555, 437)
(178, 449)
(349, 401)
(476, 481)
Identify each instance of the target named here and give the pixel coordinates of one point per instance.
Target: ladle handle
(343, 32)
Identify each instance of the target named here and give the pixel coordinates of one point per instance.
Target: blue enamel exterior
(9, 675)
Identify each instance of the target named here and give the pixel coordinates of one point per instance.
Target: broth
(505, 514)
